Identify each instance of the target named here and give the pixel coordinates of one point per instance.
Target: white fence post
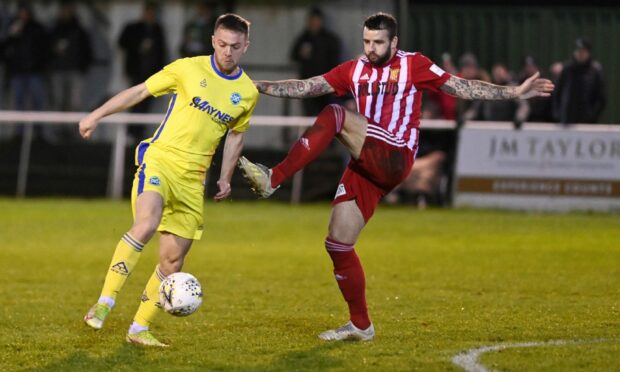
(24, 161)
(298, 178)
(116, 172)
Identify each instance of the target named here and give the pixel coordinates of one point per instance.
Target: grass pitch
(439, 282)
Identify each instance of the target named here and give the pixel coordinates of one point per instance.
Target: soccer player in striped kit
(382, 138)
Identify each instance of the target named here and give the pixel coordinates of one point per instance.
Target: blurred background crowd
(72, 56)
(46, 59)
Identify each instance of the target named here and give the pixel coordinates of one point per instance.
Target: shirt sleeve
(164, 81)
(340, 78)
(427, 75)
(243, 123)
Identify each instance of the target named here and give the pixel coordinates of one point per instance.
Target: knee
(332, 107)
(170, 263)
(336, 112)
(144, 229)
(340, 235)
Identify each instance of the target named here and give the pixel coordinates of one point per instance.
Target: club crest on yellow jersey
(235, 98)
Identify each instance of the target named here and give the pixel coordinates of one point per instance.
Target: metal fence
(121, 121)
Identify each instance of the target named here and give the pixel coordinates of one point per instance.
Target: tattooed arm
(480, 90)
(312, 87)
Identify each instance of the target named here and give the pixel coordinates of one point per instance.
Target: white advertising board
(540, 167)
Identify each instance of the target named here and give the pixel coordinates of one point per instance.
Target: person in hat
(580, 91)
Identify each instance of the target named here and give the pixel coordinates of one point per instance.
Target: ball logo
(154, 181)
(235, 98)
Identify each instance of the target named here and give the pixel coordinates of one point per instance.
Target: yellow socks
(125, 258)
(123, 262)
(149, 306)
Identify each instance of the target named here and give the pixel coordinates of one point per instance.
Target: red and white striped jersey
(389, 95)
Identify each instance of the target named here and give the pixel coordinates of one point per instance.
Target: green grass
(438, 281)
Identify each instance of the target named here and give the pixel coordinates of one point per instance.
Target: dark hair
(583, 43)
(153, 5)
(233, 22)
(382, 21)
(316, 12)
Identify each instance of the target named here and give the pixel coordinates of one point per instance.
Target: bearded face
(378, 48)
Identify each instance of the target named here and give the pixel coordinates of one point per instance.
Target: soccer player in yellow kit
(211, 95)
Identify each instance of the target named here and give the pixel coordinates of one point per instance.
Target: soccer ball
(180, 294)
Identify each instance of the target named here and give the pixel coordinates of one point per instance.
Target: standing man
(144, 47)
(71, 57)
(26, 53)
(382, 138)
(580, 97)
(211, 95)
(197, 32)
(316, 50)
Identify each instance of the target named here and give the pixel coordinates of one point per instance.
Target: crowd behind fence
(46, 63)
(27, 120)
(49, 62)
(423, 179)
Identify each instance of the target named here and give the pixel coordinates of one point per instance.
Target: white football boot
(349, 332)
(258, 176)
(96, 315)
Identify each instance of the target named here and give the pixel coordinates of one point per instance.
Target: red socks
(350, 277)
(311, 144)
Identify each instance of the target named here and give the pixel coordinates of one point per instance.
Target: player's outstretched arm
(232, 151)
(312, 87)
(120, 102)
(480, 90)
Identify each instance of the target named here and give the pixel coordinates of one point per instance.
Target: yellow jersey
(205, 104)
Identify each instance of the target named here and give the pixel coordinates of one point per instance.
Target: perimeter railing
(120, 122)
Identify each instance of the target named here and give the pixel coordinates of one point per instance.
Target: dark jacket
(580, 93)
(71, 49)
(27, 52)
(197, 38)
(324, 53)
(145, 50)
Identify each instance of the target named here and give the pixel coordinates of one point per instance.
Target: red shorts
(380, 168)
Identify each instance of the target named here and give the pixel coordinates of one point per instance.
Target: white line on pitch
(468, 360)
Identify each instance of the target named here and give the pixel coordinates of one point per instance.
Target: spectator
(145, 53)
(26, 56)
(443, 105)
(580, 91)
(539, 108)
(100, 69)
(71, 58)
(317, 50)
(556, 70)
(504, 110)
(469, 69)
(197, 33)
(4, 26)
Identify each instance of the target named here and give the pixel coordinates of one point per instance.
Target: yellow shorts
(181, 187)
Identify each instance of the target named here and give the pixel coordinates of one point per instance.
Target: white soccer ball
(180, 294)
